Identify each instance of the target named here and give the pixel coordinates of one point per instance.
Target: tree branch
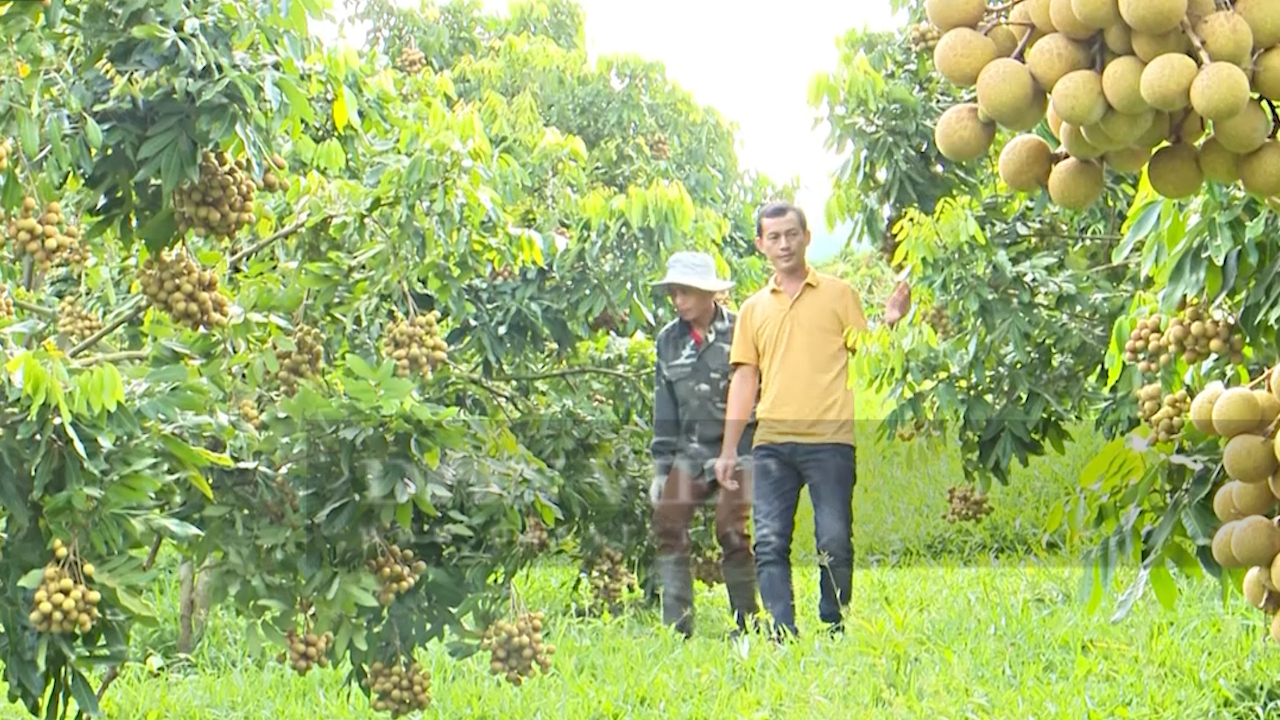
(151, 554)
(1201, 53)
(35, 308)
(280, 234)
(569, 372)
(109, 328)
(113, 357)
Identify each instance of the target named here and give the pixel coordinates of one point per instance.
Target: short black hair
(779, 209)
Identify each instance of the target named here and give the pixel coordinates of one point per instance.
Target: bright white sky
(752, 66)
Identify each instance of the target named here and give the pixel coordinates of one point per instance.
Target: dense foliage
(358, 330)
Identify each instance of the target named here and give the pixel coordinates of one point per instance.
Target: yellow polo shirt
(801, 346)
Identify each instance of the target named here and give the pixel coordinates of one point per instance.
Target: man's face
(783, 241)
(692, 303)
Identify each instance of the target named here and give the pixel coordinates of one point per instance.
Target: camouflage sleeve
(666, 423)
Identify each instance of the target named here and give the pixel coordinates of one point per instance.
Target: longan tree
(1159, 115)
(313, 320)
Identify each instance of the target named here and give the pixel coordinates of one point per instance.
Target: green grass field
(949, 621)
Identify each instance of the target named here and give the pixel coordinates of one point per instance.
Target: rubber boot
(677, 593)
(740, 583)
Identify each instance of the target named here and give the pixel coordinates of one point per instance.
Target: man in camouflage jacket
(691, 384)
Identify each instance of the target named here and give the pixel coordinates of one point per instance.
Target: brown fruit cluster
(287, 498)
(1179, 89)
(706, 567)
(924, 36)
(516, 649)
(1194, 335)
(1166, 415)
(609, 578)
(400, 688)
(6, 302)
(273, 179)
(64, 603)
(249, 412)
(609, 320)
(1197, 335)
(966, 504)
(220, 203)
(302, 360)
(658, 146)
(45, 238)
(306, 651)
(416, 345)
(535, 537)
(412, 60)
(188, 292)
(939, 320)
(6, 149)
(397, 570)
(75, 322)
(502, 274)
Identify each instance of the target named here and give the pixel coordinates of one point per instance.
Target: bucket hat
(693, 269)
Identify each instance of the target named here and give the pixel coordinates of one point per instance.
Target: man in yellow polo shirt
(792, 343)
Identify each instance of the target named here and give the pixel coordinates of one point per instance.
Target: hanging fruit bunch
(398, 571)
(400, 687)
(64, 603)
(516, 649)
(966, 504)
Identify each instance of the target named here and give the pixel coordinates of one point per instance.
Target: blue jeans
(780, 471)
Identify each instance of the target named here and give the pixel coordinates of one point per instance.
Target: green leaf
(92, 132)
(172, 528)
(1164, 586)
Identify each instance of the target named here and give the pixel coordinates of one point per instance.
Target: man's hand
(726, 467)
(655, 489)
(898, 303)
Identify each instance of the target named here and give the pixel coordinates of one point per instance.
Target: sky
(753, 67)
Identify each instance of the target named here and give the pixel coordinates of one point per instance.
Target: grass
(948, 621)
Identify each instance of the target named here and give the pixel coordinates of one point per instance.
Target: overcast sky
(754, 66)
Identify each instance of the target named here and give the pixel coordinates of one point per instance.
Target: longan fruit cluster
(502, 274)
(271, 180)
(415, 344)
(286, 495)
(609, 320)
(938, 319)
(707, 567)
(45, 238)
(966, 504)
(610, 578)
(1166, 415)
(302, 361)
(398, 571)
(75, 322)
(64, 603)
(6, 149)
(306, 651)
(220, 202)
(535, 535)
(516, 649)
(924, 36)
(188, 292)
(1193, 335)
(412, 60)
(6, 302)
(1197, 335)
(1145, 345)
(249, 412)
(400, 688)
(658, 147)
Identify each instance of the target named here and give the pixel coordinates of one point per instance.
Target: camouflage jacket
(691, 390)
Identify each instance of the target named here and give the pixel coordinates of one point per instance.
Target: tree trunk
(186, 606)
